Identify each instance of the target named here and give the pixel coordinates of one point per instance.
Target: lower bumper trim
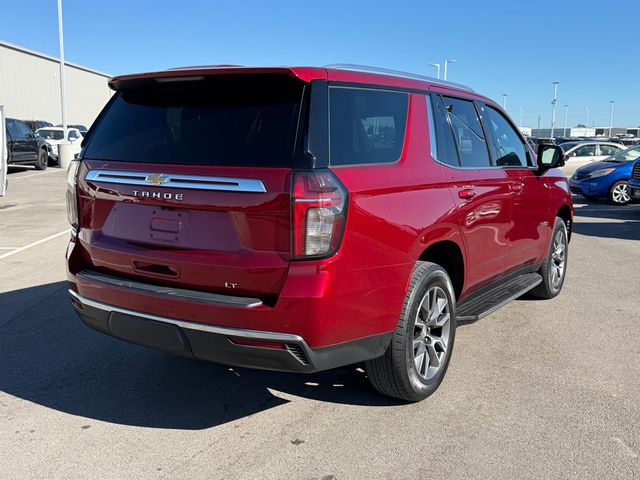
(213, 343)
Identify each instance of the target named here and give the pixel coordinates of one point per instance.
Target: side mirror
(550, 156)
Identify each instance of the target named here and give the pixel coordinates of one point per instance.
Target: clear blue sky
(512, 47)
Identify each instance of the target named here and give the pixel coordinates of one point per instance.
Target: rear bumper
(286, 352)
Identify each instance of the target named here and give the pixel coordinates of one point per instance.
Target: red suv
(301, 219)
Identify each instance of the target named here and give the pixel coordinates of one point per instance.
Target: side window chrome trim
(191, 182)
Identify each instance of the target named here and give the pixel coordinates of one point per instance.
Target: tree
(580, 125)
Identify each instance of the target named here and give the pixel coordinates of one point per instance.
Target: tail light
(319, 213)
(72, 200)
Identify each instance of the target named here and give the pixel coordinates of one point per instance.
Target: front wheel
(417, 359)
(620, 193)
(554, 268)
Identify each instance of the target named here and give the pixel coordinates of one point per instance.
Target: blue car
(634, 183)
(608, 178)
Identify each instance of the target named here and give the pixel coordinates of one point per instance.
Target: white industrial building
(30, 87)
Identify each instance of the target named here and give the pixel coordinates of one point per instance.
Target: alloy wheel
(620, 193)
(558, 259)
(431, 333)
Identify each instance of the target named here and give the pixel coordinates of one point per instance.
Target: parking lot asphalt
(539, 389)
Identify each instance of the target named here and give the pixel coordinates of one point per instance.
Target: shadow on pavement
(626, 229)
(49, 357)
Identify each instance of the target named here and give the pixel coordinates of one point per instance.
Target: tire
(619, 193)
(554, 269)
(43, 160)
(417, 358)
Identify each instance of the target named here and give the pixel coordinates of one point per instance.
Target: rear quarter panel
(395, 212)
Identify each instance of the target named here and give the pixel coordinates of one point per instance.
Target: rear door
(188, 183)
(480, 191)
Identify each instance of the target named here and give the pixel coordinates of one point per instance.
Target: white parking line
(21, 249)
(36, 174)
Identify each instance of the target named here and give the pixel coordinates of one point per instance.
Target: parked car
(608, 178)
(301, 219)
(4, 156)
(24, 146)
(37, 124)
(54, 136)
(83, 130)
(582, 153)
(634, 182)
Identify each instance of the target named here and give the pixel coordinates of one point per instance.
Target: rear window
(366, 126)
(227, 120)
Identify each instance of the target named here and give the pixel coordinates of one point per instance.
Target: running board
(479, 306)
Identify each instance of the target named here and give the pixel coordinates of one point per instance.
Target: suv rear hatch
(185, 181)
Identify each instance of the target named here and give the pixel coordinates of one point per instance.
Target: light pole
(446, 63)
(504, 101)
(539, 118)
(611, 118)
(586, 124)
(553, 107)
(63, 96)
(437, 65)
(566, 112)
(521, 115)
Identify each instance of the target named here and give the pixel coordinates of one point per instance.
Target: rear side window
(509, 148)
(439, 128)
(608, 150)
(227, 120)
(366, 126)
(467, 132)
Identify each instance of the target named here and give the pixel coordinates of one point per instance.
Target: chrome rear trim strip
(170, 180)
(230, 332)
(173, 292)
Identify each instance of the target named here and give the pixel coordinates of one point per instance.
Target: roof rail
(396, 73)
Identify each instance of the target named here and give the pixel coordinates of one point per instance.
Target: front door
(529, 228)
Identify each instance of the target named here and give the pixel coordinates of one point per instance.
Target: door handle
(516, 187)
(466, 193)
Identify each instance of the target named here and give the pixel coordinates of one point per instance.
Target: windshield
(234, 120)
(49, 134)
(627, 155)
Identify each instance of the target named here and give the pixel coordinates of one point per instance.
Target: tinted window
(446, 151)
(608, 150)
(50, 134)
(230, 120)
(12, 129)
(509, 149)
(585, 151)
(23, 129)
(73, 135)
(467, 132)
(366, 126)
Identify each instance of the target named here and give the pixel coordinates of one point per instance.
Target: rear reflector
(319, 213)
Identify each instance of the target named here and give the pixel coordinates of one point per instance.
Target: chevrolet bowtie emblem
(156, 179)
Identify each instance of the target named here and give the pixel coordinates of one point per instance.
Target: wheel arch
(566, 214)
(449, 255)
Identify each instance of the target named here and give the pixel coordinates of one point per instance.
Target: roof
(33, 53)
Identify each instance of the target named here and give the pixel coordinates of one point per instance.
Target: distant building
(30, 87)
(582, 132)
